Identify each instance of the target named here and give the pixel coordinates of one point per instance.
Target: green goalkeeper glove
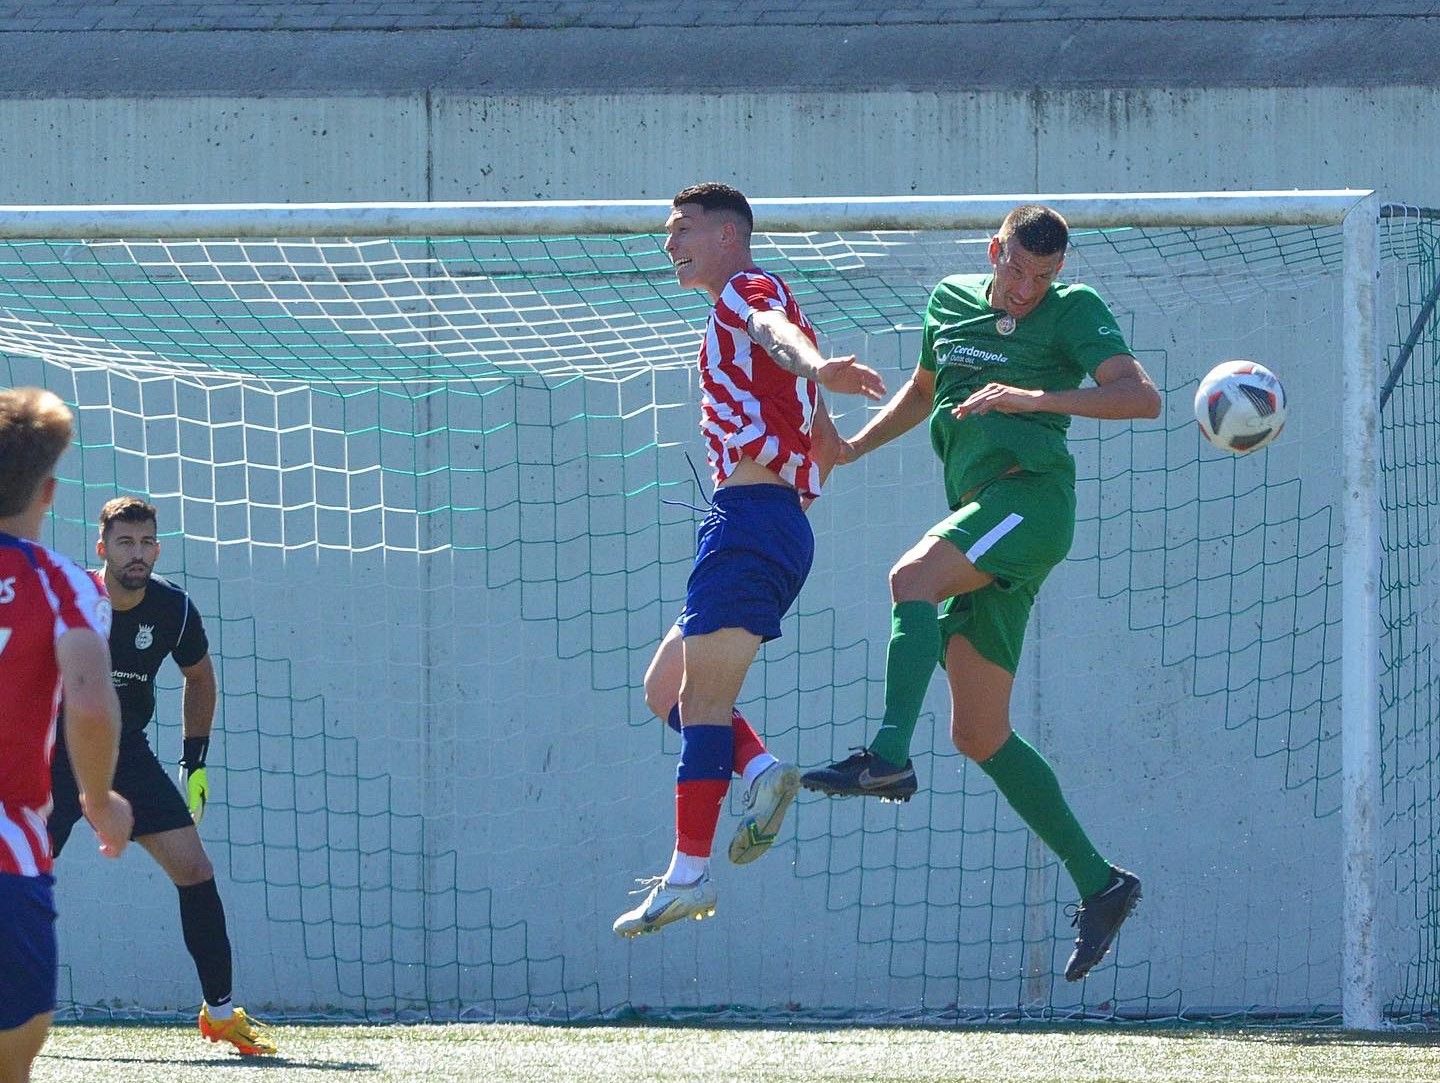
(197, 785)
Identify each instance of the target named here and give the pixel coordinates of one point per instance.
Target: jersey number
(4, 638)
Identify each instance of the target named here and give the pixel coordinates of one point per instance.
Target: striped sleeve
(77, 600)
(746, 294)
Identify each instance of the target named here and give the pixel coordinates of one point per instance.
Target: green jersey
(968, 344)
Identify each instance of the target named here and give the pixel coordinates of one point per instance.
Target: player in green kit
(1002, 358)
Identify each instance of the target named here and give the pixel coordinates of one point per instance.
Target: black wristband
(193, 755)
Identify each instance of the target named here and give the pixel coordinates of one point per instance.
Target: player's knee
(662, 689)
(195, 871)
(964, 743)
(712, 706)
(974, 742)
(910, 581)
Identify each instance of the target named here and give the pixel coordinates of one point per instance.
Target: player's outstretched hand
(112, 820)
(846, 376)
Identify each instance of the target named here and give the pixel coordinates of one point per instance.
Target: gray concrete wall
(529, 146)
(287, 101)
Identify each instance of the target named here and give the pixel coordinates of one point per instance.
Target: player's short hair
(715, 196)
(1038, 229)
(127, 509)
(35, 429)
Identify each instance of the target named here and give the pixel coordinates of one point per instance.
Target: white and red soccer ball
(1240, 406)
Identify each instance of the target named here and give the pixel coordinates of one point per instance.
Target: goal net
(428, 476)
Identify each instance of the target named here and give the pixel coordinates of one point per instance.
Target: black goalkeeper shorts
(139, 778)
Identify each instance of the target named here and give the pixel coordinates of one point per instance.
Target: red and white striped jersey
(42, 596)
(751, 406)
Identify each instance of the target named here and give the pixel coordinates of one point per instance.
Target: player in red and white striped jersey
(770, 444)
(53, 627)
(42, 596)
(753, 408)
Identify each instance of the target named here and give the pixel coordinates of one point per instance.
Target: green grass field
(502, 1053)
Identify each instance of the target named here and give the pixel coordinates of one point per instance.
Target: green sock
(1030, 785)
(909, 663)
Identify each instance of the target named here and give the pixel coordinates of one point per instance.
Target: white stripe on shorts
(994, 534)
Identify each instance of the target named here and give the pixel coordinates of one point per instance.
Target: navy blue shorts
(139, 778)
(28, 959)
(752, 554)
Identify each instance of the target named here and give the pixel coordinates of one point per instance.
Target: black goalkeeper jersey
(165, 622)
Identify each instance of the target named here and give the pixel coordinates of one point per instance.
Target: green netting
(431, 498)
(1410, 612)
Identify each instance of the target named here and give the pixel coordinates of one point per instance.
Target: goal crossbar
(549, 217)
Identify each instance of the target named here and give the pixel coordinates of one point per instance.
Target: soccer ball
(1240, 406)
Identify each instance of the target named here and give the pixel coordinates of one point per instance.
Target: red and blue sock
(701, 780)
(747, 743)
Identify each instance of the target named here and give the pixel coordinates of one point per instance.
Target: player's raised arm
(789, 348)
(1122, 390)
(910, 406)
(92, 733)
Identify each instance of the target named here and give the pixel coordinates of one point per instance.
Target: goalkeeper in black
(155, 619)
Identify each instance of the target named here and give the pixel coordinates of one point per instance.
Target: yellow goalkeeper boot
(250, 1037)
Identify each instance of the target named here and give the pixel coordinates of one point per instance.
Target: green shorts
(1016, 529)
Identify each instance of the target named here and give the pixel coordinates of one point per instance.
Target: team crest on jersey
(1005, 324)
(144, 637)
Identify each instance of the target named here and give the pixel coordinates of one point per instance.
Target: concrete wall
(447, 145)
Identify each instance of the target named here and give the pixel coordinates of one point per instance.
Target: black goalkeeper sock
(202, 919)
